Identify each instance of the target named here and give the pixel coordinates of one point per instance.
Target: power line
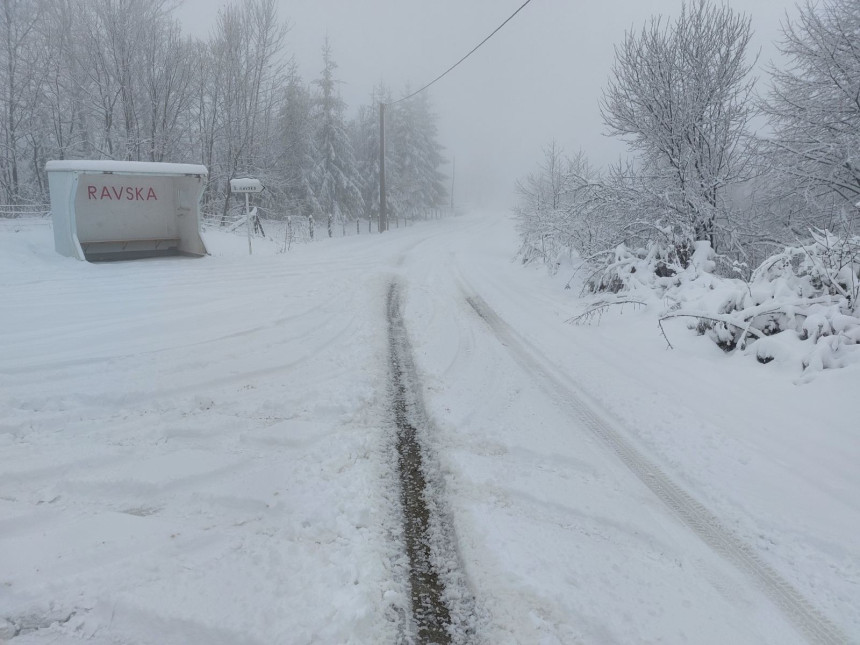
(522, 6)
(383, 215)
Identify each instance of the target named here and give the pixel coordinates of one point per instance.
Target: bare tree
(246, 49)
(566, 205)
(62, 91)
(115, 38)
(814, 106)
(680, 94)
(205, 113)
(20, 67)
(168, 61)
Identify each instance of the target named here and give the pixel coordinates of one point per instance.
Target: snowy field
(199, 452)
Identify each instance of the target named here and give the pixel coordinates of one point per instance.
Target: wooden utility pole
(453, 174)
(383, 211)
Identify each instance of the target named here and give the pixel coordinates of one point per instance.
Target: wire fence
(16, 211)
(299, 229)
(285, 229)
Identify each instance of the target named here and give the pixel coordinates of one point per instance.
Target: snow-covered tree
(298, 155)
(364, 131)
(415, 156)
(814, 106)
(246, 47)
(20, 70)
(566, 206)
(64, 91)
(117, 79)
(680, 95)
(167, 73)
(116, 37)
(204, 113)
(336, 181)
(546, 218)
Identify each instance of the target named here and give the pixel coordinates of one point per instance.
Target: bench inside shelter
(107, 250)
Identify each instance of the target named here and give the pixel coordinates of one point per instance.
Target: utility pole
(453, 174)
(383, 212)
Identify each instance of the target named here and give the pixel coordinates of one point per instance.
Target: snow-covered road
(201, 451)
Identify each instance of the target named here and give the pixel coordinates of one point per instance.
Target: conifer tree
(335, 181)
(298, 152)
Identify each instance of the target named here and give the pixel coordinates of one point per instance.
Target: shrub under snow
(799, 305)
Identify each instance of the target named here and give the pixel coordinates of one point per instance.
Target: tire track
(799, 611)
(442, 609)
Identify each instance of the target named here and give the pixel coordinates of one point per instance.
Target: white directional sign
(246, 185)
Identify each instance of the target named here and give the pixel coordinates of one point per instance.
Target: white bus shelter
(117, 210)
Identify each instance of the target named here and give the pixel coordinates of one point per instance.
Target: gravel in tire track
(428, 537)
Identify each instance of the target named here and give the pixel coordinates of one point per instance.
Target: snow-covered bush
(659, 266)
(801, 303)
(827, 266)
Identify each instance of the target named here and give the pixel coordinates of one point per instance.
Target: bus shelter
(120, 210)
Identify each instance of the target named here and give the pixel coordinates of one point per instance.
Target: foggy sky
(538, 79)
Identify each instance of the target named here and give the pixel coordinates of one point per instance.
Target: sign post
(246, 185)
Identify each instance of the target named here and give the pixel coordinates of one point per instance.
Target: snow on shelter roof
(125, 167)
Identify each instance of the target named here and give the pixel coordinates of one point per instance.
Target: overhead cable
(522, 6)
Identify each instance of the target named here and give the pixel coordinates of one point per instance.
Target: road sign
(246, 185)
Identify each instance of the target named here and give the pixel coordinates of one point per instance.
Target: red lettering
(128, 193)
